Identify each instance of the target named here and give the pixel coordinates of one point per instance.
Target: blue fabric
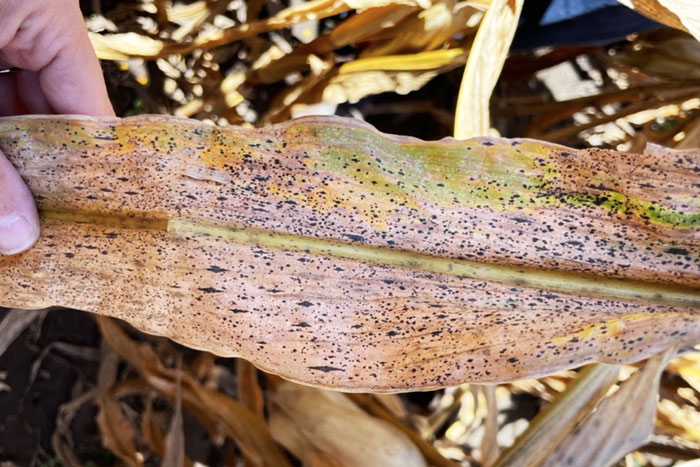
(560, 10)
(572, 22)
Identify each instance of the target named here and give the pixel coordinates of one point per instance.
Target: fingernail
(16, 234)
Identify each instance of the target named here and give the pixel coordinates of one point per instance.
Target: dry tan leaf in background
(486, 58)
(372, 405)
(399, 31)
(489, 443)
(249, 392)
(14, 323)
(647, 92)
(680, 14)
(208, 404)
(62, 440)
(679, 420)
(621, 422)
(432, 28)
(174, 455)
(307, 421)
(688, 367)
(688, 13)
(126, 45)
(557, 421)
(117, 431)
(121, 45)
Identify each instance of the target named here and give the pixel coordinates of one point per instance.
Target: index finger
(50, 38)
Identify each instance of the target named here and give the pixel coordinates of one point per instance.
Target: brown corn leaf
(557, 421)
(688, 367)
(130, 45)
(489, 443)
(152, 430)
(62, 441)
(330, 423)
(393, 404)
(692, 136)
(249, 391)
(354, 80)
(174, 455)
(326, 252)
(208, 405)
(155, 438)
(127, 45)
(117, 433)
(484, 65)
(372, 405)
(162, 17)
(621, 422)
(13, 325)
(424, 30)
(680, 14)
(663, 53)
(679, 420)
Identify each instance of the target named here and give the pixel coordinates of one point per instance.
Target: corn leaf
(117, 432)
(208, 405)
(307, 421)
(328, 253)
(680, 14)
(123, 45)
(556, 423)
(621, 422)
(484, 65)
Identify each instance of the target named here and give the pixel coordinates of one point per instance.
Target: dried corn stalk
(334, 255)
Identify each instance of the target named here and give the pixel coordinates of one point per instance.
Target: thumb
(19, 221)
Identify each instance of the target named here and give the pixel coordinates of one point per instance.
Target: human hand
(57, 72)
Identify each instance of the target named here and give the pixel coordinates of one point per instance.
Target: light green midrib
(591, 286)
(554, 281)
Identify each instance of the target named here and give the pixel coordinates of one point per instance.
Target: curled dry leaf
(489, 443)
(621, 422)
(154, 436)
(484, 65)
(62, 438)
(424, 30)
(129, 45)
(364, 77)
(307, 421)
(208, 405)
(13, 325)
(329, 253)
(688, 367)
(679, 420)
(557, 421)
(117, 432)
(152, 430)
(175, 439)
(249, 391)
(680, 14)
(375, 405)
